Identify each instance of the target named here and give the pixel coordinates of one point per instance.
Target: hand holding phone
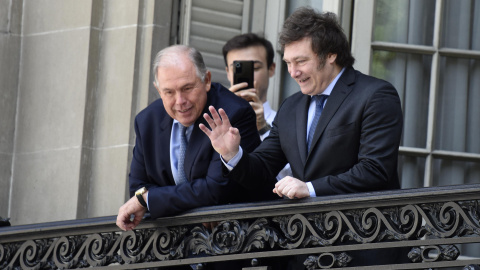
(243, 72)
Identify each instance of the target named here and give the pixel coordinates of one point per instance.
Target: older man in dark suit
(174, 167)
(340, 134)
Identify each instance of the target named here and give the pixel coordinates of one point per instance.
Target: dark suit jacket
(206, 185)
(355, 146)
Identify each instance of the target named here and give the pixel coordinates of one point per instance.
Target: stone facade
(73, 76)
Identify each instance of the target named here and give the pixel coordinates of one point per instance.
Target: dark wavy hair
(248, 40)
(324, 30)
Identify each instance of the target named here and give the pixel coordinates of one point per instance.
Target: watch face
(140, 191)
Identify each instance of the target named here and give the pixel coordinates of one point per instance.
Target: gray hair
(171, 52)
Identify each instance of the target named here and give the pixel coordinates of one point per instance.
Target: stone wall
(73, 76)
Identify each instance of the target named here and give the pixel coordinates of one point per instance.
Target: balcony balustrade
(438, 225)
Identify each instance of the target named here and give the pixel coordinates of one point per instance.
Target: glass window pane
(404, 21)
(410, 74)
(461, 28)
(293, 5)
(411, 171)
(451, 172)
(458, 106)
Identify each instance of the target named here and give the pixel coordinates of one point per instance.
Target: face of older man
(183, 93)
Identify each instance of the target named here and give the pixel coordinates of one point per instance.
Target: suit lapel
(301, 126)
(340, 91)
(198, 138)
(193, 148)
(166, 128)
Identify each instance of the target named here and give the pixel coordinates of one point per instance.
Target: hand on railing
(292, 188)
(131, 208)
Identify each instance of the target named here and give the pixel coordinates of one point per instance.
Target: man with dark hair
(340, 134)
(174, 167)
(251, 47)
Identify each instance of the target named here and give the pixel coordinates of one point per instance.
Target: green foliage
(381, 60)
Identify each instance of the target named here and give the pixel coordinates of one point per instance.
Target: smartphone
(243, 72)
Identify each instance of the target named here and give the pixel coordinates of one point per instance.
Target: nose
(294, 72)
(180, 99)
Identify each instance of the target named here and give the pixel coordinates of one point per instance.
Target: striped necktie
(319, 101)
(181, 157)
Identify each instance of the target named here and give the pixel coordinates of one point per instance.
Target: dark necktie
(181, 157)
(319, 100)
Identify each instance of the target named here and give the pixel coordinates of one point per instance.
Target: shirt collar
(266, 108)
(188, 131)
(329, 88)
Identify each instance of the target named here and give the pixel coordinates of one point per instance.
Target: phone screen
(243, 72)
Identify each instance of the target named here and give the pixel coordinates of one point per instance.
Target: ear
(156, 87)
(271, 70)
(331, 57)
(208, 80)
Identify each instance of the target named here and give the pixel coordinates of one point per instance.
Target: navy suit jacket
(355, 145)
(206, 185)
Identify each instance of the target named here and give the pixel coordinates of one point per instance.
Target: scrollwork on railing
(153, 244)
(231, 237)
(450, 219)
(327, 260)
(434, 253)
(286, 232)
(60, 253)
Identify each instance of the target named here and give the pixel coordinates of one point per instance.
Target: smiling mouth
(303, 80)
(184, 111)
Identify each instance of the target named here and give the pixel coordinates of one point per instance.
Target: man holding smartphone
(251, 47)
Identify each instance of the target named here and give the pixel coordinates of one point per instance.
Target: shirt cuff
(148, 208)
(311, 190)
(264, 135)
(234, 161)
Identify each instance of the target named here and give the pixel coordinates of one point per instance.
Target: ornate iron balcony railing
(431, 222)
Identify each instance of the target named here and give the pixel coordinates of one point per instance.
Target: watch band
(264, 130)
(139, 194)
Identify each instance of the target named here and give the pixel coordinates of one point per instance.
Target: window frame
(362, 49)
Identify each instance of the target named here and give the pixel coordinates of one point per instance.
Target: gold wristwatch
(139, 194)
